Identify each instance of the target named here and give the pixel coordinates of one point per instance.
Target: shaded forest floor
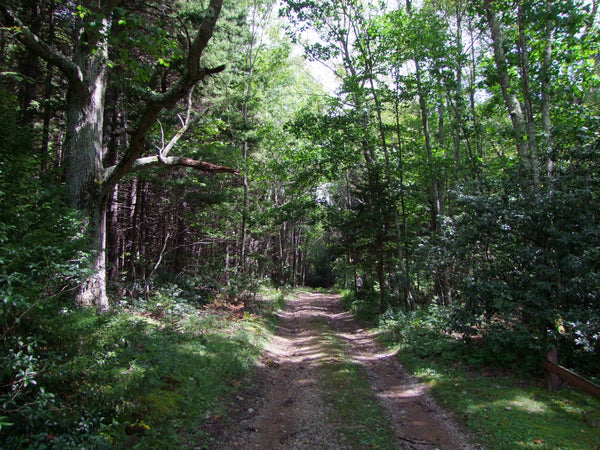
(325, 382)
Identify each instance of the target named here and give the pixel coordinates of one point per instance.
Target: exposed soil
(287, 408)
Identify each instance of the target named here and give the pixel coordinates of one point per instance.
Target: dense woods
(185, 148)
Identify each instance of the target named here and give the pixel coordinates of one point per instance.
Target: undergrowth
(149, 374)
(493, 384)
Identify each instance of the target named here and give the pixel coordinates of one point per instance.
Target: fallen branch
(416, 441)
(176, 161)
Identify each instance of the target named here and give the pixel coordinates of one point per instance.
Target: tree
(509, 94)
(95, 23)
(524, 272)
(344, 45)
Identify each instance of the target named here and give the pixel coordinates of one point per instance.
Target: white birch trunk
(510, 99)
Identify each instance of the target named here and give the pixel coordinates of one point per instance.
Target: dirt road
(294, 405)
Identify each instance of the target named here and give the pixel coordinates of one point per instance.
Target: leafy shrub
(365, 304)
(242, 286)
(41, 259)
(515, 349)
(579, 343)
(420, 332)
(25, 404)
(423, 333)
(397, 326)
(525, 262)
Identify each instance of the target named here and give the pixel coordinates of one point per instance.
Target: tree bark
(180, 240)
(529, 120)
(47, 115)
(436, 206)
(112, 237)
(84, 166)
(133, 227)
(510, 99)
(458, 96)
(93, 290)
(30, 67)
(136, 263)
(111, 123)
(403, 234)
(545, 87)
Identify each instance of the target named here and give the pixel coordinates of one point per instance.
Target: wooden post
(554, 372)
(552, 379)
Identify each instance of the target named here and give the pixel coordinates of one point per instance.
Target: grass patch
(503, 411)
(270, 303)
(501, 408)
(355, 411)
(145, 376)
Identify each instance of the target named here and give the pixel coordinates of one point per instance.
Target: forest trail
(292, 404)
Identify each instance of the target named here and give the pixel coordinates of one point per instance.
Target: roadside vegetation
(153, 373)
(493, 385)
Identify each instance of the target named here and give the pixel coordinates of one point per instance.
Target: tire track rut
(287, 407)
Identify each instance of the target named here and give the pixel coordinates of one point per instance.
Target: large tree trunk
(93, 290)
(84, 168)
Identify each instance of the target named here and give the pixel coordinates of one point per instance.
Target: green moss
(163, 403)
